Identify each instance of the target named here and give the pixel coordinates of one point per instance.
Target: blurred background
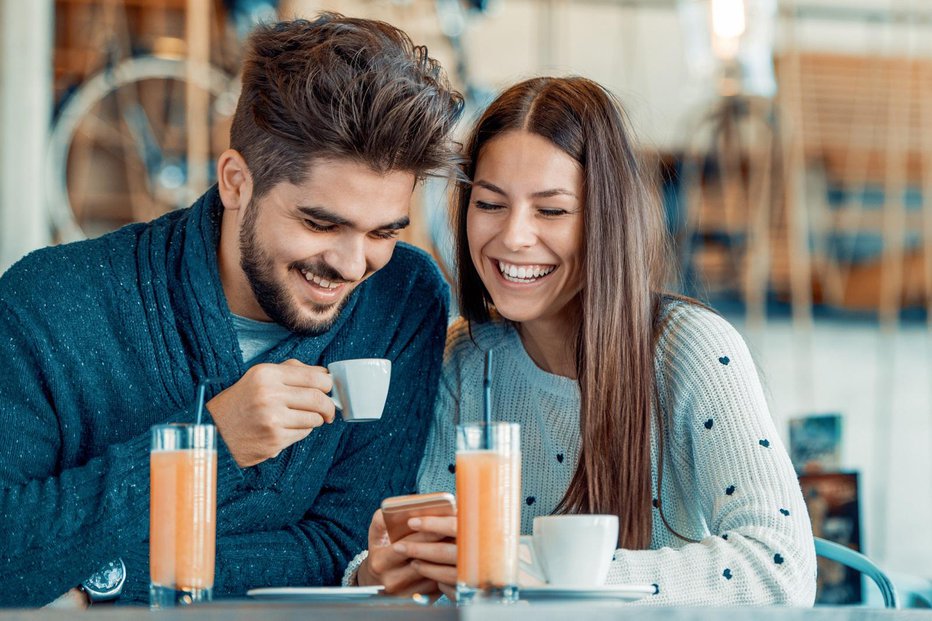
(791, 141)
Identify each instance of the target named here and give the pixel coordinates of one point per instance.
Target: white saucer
(328, 594)
(615, 592)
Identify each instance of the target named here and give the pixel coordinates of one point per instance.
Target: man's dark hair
(341, 88)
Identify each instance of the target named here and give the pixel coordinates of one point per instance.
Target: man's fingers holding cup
(303, 420)
(312, 401)
(301, 375)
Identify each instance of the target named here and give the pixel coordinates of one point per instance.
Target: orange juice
(488, 492)
(182, 518)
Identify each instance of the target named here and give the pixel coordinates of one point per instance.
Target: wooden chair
(852, 124)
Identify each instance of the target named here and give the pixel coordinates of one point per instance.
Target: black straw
(201, 391)
(487, 401)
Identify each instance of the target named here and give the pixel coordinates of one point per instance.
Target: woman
(631, 402)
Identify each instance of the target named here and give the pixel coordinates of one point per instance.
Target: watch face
(108, 579)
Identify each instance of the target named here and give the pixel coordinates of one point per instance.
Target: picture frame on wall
(815, 443)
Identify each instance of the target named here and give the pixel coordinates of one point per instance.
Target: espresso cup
(569, 550)
(360, 388)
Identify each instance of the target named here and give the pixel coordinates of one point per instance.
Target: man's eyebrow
(542, 194)
(397, 225)
(319, 213)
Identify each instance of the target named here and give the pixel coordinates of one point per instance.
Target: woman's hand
(385, 566)
(434, 556)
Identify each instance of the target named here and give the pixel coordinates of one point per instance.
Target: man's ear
(233, 180)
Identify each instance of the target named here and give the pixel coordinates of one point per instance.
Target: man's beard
(272, 294)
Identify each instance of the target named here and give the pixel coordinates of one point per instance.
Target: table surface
(552, 610)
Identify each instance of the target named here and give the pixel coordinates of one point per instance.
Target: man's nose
(349, 257)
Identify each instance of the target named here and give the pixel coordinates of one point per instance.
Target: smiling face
(302, 249)
(524, 225)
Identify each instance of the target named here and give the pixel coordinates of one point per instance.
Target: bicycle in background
(119, 149)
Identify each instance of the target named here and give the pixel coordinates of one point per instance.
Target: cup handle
(334, 393)
(530, 569)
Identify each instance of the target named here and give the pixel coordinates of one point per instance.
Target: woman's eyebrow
(542, 194)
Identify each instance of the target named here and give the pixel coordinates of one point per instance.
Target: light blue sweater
(728, 481)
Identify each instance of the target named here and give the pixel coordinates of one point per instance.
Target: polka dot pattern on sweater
(715, 416)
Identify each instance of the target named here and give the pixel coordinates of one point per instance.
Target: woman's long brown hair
(625, 252)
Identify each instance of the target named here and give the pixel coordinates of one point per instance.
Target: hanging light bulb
(728, 25)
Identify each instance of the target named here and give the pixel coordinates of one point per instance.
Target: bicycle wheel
(117, 151)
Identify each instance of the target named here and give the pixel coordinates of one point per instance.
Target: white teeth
(320, 282)
(524, 273)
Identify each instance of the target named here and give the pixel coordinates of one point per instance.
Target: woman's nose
(519, 231)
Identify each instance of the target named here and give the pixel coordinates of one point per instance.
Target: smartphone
(397, 510)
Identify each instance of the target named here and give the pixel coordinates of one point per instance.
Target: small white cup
(360, 388)
(569, 550)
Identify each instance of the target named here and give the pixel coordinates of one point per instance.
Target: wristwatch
(106, 584)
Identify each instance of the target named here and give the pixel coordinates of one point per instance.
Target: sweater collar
(198, 336)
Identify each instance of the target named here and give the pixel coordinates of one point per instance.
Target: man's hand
(75, 599)
(270, 408)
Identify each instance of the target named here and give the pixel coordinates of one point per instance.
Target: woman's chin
(517, 314)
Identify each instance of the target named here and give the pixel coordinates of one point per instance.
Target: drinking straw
(487, 401)
(201, 389)
(201, 392)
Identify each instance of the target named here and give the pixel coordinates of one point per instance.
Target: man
(288, 263)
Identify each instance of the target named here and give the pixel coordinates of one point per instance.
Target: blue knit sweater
(99, 340)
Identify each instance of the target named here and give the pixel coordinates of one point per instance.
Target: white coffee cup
(569, 550)
(360, 387)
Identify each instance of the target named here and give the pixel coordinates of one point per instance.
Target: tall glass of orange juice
(182, 516)
(488, 493)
